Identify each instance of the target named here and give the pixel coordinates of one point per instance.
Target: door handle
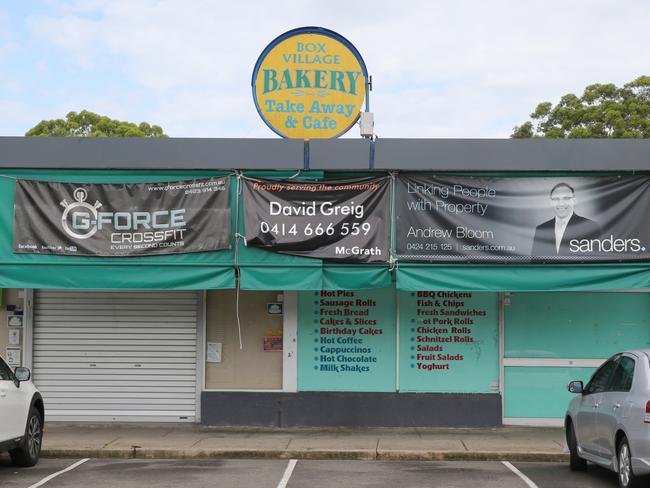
(595, 405)
(617, 405)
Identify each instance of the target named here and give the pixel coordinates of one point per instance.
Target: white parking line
(287, 473)
(526, 479)
(54, 475)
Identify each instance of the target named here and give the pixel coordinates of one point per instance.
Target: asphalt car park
(100, 473)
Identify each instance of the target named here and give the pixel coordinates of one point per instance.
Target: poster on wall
(14, 337)
(346, 340)
(339, 220)
(84, 219)
(14, 321)
(12, 356)
(449, 342)
(533, 219)
(273, 340)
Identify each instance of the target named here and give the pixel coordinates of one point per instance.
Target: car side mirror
(575, 387)
(23, 374)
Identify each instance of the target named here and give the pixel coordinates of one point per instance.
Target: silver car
(609, 422)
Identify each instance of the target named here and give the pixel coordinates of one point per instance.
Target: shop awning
(116, 277)
(265, 270)
(315, 277)
(191, 271)
(583, 277)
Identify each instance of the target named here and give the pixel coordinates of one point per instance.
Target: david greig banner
(84, 219)
(522, 219)
(344, 220)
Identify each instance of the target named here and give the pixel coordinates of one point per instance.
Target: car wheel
(626, 477)
(27, 453)
(576, 463)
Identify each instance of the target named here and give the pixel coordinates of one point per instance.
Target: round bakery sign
(309, 83)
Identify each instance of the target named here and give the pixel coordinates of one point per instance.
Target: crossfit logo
(128, 230)
(78, 215)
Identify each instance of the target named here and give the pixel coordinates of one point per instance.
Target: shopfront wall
(362, 357)
(326, 357)
(354, 349)
(418, 358)
(284, 340)
(554, 338)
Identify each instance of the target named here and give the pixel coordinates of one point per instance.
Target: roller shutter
(116, 356)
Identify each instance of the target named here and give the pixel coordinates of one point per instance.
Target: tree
(89, 124)
(603, 111)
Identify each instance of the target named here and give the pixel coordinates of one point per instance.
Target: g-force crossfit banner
(342, 220)
(554, 220)
(84, 219)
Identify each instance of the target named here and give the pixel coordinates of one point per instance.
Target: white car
(608, 422)
(21, 416)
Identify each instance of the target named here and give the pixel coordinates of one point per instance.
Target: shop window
(546, 332)
(449, 342)
(346, 340)
(540, 392)
(575, 325)
(258, 363)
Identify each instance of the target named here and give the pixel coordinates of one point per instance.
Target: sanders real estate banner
(522, 219)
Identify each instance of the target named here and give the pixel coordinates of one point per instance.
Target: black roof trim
(474, 155)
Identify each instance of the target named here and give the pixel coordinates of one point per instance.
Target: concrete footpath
(182, 441)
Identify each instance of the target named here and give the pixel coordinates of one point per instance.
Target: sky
(441, 69)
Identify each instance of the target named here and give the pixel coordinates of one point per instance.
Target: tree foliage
(603, 111)
(89, 124)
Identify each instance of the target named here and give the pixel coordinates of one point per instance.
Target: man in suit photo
(553, 236)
